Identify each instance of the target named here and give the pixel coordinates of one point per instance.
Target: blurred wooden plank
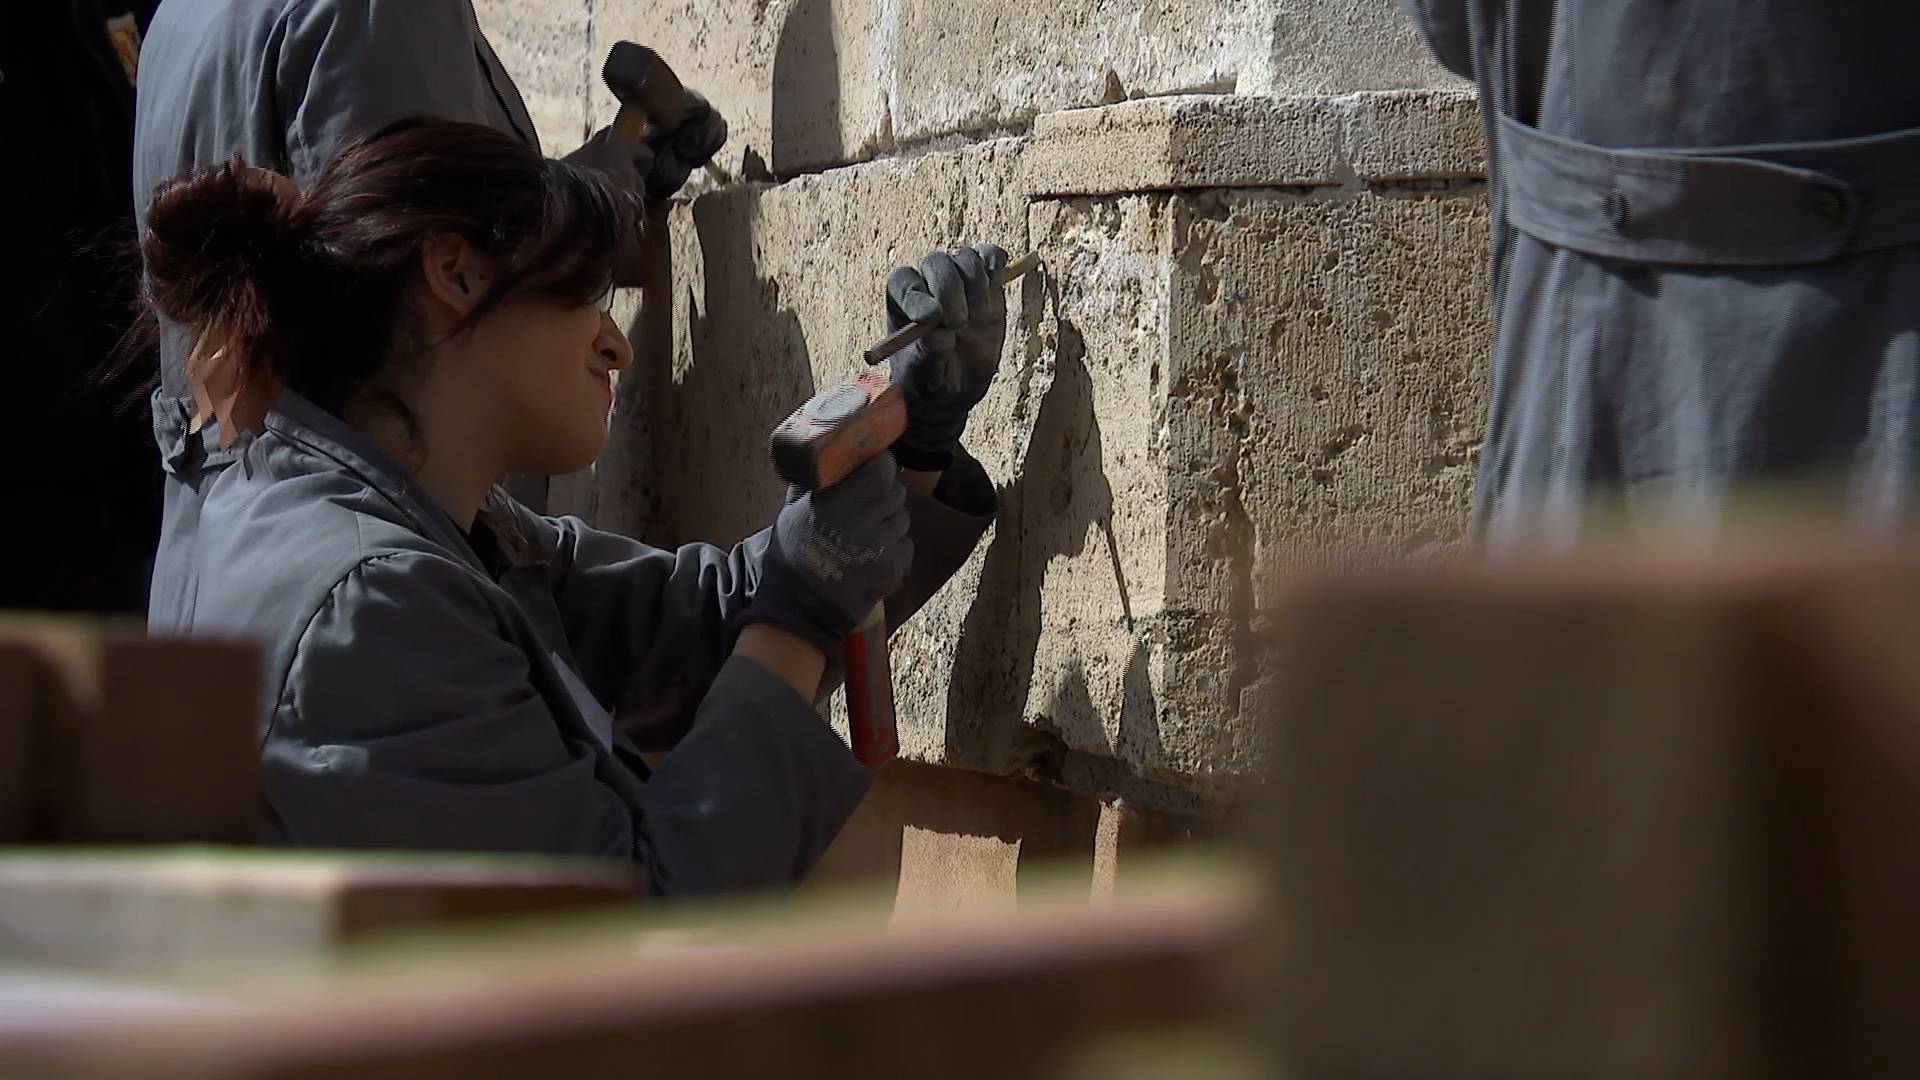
(799, 994)
(180, 913)
(34, 1001)
(1642, 816)
(23, 686)
(129, 739)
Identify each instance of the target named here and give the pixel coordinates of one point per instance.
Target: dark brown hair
(310, 291)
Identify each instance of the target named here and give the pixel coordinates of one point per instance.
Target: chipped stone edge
(1224, 141)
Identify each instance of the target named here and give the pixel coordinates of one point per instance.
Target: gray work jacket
(1706, 252)
(280, 83)
(420, 695)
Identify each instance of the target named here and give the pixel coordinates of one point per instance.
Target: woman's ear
(456, 274)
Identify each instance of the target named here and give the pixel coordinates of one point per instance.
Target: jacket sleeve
(650, 629)
(1445, 26)
(351, 66)
(409, 720)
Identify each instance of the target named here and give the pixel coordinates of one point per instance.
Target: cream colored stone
(992, 65)
(779, 290)
(796, 79)
(1201, 390)
(1258, 341)
(1414, 134)
(996, 65)
(810, 84)
(1339, 46)
(954, 873)
(1219, 140)
(1233, 384)
(543, 44)
(1224, 140)
(1334, 371)
(945, 839)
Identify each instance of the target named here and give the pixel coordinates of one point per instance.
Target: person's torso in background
(1661, 73)
(280, 82)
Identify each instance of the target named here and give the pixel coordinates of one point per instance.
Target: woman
(441, 661)
(283, 83)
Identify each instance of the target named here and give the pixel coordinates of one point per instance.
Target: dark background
(82, 482)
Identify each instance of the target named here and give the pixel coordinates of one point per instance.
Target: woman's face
(548, 369)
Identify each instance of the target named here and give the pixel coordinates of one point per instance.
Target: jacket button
(1827, 204)
(1618, 212)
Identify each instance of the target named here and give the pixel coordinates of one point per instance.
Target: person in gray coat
(445, 669)
(1705, 254)
(281, 82)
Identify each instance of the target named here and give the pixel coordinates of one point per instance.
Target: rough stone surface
(1338, 46)
(999, 64)
(1345, 373)
(810, 84)
(996, 64)
(1204, 389)
(1195, 141)
(1224, 140)
(1414, 134)
(1240, 384)
(796, 79)
(1258, 342)
(778, 290)
(543, 45)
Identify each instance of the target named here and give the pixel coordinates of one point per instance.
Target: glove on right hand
(686, 146)
(946, 373)
(834, 554)
(658, 165)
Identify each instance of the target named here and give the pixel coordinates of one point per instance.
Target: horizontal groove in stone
(1224, 141)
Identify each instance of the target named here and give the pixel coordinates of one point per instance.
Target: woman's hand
(946, 373)
(655, 167)
(658, 164)
(834, 555)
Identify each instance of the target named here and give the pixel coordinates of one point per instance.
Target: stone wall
(1258, 342)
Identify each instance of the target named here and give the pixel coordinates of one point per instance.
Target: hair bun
(213, 235)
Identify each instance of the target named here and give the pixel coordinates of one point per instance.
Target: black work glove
(658, 165)
(834, 555)
(684, 147)
(945, 374)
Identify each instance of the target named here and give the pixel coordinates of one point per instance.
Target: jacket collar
(300, 421)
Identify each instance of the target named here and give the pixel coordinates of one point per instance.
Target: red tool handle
(870, 720)
(824, 440)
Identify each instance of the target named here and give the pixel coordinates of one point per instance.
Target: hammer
(648, 91)
(823, 441)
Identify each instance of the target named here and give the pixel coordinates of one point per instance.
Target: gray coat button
(1617, 209)
(1827, 204)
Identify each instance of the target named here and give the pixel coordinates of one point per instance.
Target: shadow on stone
(1059, 495)
(745, 367)
(1139, 738)
(806, 91)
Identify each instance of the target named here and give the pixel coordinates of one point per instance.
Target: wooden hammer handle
(872, 727)
(913, 332)
(630, 123)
